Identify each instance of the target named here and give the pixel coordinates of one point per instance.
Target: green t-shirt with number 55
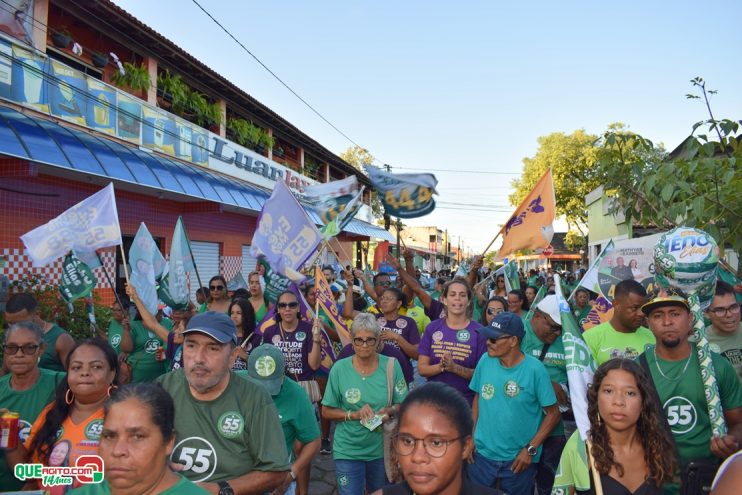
(228, 437)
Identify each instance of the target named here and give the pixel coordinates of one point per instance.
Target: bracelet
(347, 415)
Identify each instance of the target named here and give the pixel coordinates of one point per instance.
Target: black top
(612, 486)
(468, 488)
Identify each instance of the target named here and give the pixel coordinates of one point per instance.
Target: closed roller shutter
(249, 262)
(206, 256)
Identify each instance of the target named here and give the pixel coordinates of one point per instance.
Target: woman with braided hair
(632, 452)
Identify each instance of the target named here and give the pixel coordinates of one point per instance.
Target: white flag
(89, 225)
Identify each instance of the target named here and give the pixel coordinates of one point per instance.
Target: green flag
(78, 279)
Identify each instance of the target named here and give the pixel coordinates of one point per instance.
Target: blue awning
(43, 141)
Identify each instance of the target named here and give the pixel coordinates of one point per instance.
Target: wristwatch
(532, 451)
(292, 474)
(225, 489)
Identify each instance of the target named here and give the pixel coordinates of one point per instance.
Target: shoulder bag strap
(389, 380)
(543, 352)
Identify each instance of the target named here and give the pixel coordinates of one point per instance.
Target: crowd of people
(448, 385)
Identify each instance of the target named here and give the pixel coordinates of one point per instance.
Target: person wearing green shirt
(59, 343)
(581, 307)
(26, 389)
(228, 431)
(623, 336)
(136, 439)
(118, 337)
(358, 398)
(265, 366)
(543, 341)
(676, 373)
(725, 332)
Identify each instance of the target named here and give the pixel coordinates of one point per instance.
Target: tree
(697, 185)
(357, 157)
(573, 160)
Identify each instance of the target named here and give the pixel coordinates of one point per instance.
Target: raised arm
(411, 282)
(148, 319)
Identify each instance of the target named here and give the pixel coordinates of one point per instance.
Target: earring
(111, 388)
(69, 397)
(599, 421)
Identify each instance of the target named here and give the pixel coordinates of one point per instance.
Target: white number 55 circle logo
(197, 455)
(681, 415)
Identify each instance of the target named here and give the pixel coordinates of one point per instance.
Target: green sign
(78, 279)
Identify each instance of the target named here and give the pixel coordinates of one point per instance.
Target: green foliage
(573, 160)
(174, 89)
(574, 241)
(357, 157)
(136, 78)
(248, 134)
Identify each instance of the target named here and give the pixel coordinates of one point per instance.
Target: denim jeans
(551, 452)
(486, 473)
(353, 477)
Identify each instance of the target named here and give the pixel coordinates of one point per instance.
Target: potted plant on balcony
(172, 92)
(99, 59)
(135, 78)
(278, 151)
(62, 39)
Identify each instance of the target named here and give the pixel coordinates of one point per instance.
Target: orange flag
(531, 227)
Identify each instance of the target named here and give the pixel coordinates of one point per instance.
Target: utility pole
(388, 168)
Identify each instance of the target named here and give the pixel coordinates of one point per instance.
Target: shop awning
(46, 142)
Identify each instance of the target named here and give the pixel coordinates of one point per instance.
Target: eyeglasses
(434, 446)
(371, 341)
(732, 310)
(554, 328)
(216, 287)
(383, 284)
(493, 311)
(12, 349)
(291, 305)
(494, 341)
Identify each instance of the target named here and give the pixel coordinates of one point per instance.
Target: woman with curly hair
(632, 452)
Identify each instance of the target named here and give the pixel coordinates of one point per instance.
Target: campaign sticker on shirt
(512, 388)
(151, 346)
(437, 336)
(352, 395)
(300, 336)
(230, 424)
(276, 339)
(196, 455)
(265, 366)
(401, 323)
(488, 391)
(401, 386)
(381, 321)
(116, 340)
(94, 429)
(463, 335)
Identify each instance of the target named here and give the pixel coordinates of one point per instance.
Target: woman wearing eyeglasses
(299, 340)
(26, 389)
(218, 296)
(432, 443)
(357, 395)
(494, 306)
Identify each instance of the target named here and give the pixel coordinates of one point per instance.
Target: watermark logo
(88, 469)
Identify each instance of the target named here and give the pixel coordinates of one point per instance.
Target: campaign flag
(590, 279)
(327, 302)
(285, 235)
(335, 202)
(90, 258)
(173, 289)
(580, 362)
(404, 195)
(237, 282)
(531, 227)
(539, 295)
(147, 267)
(509, 271)
(89, 225)
(78, 279)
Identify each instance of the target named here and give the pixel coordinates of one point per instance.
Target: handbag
(698, 476)
(391, 466)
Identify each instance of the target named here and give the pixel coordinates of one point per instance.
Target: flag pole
(491, 243)
(123, 258)
(195, 268)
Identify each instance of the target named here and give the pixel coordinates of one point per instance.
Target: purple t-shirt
(466, 347)
(389, 351)
(436, 310)
(404, 326)
(295, 346)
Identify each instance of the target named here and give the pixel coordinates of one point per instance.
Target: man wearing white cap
(543, 341)
(229, 437)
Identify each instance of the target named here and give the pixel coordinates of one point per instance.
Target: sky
(456, 88)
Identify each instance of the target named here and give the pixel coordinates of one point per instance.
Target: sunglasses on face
(284, 305)
(384, 284)
(494, 311)
(216, 287)
(495, 341)
(12, 349)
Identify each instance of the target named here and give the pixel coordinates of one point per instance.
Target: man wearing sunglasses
(543, 341)
(514, 409)
(725, 332)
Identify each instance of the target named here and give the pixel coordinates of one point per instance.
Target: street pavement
(322, 481)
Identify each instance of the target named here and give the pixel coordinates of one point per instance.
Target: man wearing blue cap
(513, 391)
(229, 436)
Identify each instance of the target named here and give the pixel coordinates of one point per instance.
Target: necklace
(363, 372)
(657, 363)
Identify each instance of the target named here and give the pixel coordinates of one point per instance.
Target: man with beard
(623, 336)
(229, 436)
(676, 373)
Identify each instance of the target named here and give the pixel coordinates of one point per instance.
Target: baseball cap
(265, 365)
(216, 325)
(666, 297)
(550, 306)
(505, 323)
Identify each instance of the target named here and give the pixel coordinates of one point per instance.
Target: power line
(459, 171)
